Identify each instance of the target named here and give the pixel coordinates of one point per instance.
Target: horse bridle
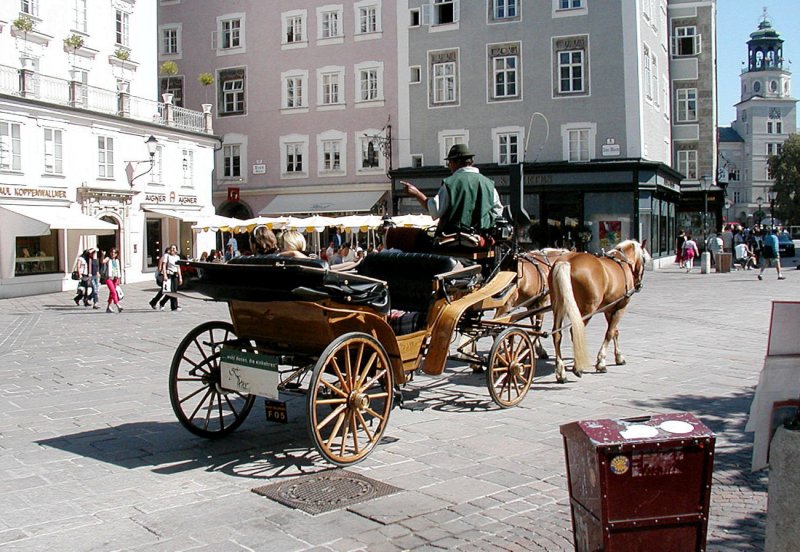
(636, 275)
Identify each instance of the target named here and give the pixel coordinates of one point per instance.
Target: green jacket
(471, 197)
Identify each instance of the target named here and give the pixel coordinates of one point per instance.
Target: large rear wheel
(198, 400)
(512, 365)
(350, 398)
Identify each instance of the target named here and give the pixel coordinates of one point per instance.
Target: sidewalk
(94, 459)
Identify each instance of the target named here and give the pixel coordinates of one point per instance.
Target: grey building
(765, 117)
(579, 95)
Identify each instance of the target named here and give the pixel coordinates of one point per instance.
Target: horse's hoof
(543, 355)
(621, 362)
(601, 369)
(578, 373)
(561, 379)
(476, 368)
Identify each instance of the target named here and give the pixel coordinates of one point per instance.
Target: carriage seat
(409, 275)
(274, 259)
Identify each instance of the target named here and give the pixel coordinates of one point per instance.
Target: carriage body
(336, 337)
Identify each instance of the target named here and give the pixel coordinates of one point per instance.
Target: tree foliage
(785, 169)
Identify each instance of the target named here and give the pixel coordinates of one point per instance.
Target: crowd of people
(751, 248)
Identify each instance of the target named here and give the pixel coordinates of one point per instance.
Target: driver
(467, 201)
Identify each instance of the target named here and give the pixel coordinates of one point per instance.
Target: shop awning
(182, 215)
(39, 220)
(332, 202)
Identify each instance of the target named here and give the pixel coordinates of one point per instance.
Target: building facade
(304, 96)
(765, 117)
(77, 104)
(576, 92)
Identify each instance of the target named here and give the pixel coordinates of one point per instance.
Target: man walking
(770, 255)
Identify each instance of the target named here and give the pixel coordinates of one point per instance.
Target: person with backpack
(770, 255)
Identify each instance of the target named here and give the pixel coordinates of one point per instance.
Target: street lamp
(771, 195)
(151, 144)
(758, 213)
(706, 184)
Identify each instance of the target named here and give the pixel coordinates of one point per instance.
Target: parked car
(785, 245)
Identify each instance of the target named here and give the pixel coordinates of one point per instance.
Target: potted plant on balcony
(72, 44)
(122, 54)
(169, 69)
(206, 79)
(24, 25)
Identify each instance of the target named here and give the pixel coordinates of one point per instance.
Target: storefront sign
(173, 198)
(26, 192)
(538, 179)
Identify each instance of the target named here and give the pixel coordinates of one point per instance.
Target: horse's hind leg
(537, 322)
(558, 319)
(618, 357)
(612, 334)
(600, 364)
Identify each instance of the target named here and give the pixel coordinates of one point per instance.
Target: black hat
(459, 151)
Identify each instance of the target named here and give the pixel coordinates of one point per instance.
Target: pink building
(304, 97)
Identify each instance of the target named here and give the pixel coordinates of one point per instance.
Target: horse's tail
(562, 292)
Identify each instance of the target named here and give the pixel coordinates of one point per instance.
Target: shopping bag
(166, 286)
(120, 293)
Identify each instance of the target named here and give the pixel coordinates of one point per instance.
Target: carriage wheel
(349, 398)
(512, 365)
(197, 398)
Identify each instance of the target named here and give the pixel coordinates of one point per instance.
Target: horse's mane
(641, 252)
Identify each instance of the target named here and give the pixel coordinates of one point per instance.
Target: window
(369, 84)
(231, 33)
(449, 138)
(507, 142)
(330, 81)
(686, 99)
(232, 92)
(685, 41)
(10, 147)
(774, 148)
(122, 28)
(36, 254)
(174, 86)
(294, 158)
(504, 63)
(444, 83)
(415, 74)
(733, 175)
(647, 74)
(774, 127)
(187, 164)
(687, 163)
(414, 18)
(331, 147)
(655, 89)
(170, 43)
(232, 161)
(53, 151)
(79, 16)
(294, 27)
(417, 161)
(570, 70)
(294, 89)
(158, 166)
(570, 4)
(371, 158)
(330, 23)
(367, 18)
(441, 12)
(504, 9)
(30, 7)
(578, 141)
(105, 157)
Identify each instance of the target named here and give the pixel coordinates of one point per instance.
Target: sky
(736, 19)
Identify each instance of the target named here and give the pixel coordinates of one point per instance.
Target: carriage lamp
(151, 144)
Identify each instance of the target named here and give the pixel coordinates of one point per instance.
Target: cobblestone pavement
(94, 459)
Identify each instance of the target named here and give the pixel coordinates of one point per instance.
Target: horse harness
(614, 255)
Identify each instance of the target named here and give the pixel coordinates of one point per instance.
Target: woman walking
(172, 274)
(113, 276)
(690, 251)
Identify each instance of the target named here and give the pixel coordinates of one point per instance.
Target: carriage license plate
(276, 411)
(249, 373)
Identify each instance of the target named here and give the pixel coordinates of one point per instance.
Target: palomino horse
(533, 292)
(582, 284)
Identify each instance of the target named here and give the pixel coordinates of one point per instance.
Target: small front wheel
(512, 366)
(198, 400)
(350, 398)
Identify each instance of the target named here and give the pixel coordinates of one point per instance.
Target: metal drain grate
(325, 492)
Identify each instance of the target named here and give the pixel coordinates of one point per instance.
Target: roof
(728, 134)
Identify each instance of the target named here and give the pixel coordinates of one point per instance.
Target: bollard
(783, 531)
(705, 262)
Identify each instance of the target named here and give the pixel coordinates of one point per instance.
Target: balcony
(26, 83)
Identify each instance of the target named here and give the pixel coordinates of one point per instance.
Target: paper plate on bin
(676, 426)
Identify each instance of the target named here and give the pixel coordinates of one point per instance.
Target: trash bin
(639, 483)
(724, 261)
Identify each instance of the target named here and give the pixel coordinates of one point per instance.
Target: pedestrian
(172, 277)
(294, 244)
(714, 246)
(770, 254)
(159, 282)
(727, 239)
(81, 266)
(204, 257)
(113, 273)
(744, 257)
(679, 247)
(690, 251)
(264, 241)
(94, 276)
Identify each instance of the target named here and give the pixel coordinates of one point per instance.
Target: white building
(78, 85)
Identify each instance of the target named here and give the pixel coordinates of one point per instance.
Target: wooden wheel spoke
(348, 365)
(377, 376)
(365, 370)
(335, 365)
(201, 403)
(333, 388)
(342, 400)
(335, 432)
(354, 426)
(190, 379)
(501, 379)
(345, 433)
(330, 416)
(209, 409)
(363, 423)
(381, 395)
(374, 414)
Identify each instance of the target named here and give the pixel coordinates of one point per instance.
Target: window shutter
(214, 40)
(456, 5)
(5, 151)
(698, 44)
(427, 14)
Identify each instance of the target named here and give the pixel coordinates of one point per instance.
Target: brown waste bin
(639, 484)
(724, 261)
